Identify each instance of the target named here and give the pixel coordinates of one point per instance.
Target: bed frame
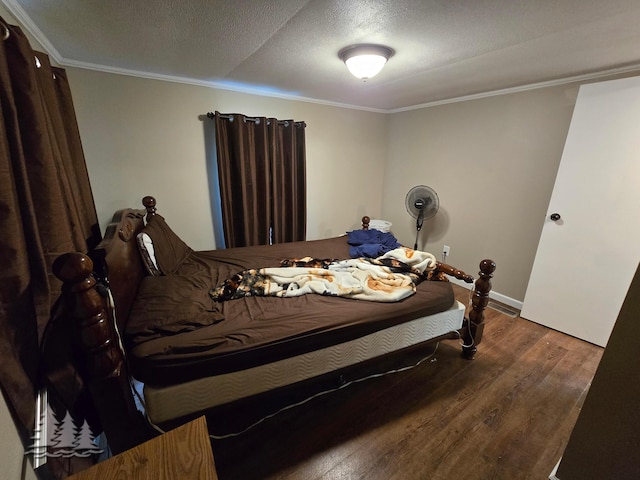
(90, 290)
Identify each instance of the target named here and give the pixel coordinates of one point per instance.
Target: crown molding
(524, 88)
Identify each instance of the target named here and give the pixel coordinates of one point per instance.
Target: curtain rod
(6, 33)
(255, 120)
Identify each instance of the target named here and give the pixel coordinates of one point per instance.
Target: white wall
(492, 162)
(148, 137)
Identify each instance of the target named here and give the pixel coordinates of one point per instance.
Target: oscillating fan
(422, 203)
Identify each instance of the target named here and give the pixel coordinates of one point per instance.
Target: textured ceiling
(445, 49)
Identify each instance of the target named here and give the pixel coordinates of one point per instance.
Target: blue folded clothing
(370, 243)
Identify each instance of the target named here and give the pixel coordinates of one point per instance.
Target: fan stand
(419, 223)
(421, 203)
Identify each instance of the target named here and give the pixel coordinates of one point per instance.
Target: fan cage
(426, 193)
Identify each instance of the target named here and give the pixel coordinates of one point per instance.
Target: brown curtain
(46, 208)
(262, 175)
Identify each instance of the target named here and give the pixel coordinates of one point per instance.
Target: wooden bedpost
(474, 325)
(454, 272)
(149, 203)
(103, 366)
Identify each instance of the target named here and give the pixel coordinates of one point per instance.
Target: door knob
(555, 217)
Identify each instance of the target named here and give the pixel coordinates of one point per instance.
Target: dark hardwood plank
(505, 415)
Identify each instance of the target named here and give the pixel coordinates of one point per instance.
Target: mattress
(174, 401)
(177, 334)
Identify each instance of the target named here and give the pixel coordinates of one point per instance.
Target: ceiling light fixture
(365, 61)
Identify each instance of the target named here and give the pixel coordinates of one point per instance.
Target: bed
(143, 307)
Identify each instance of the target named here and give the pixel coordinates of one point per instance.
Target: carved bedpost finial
(365, 222)
(149, 203)
(479, 301)
(73, 268)
(89, 311)
(487, 267)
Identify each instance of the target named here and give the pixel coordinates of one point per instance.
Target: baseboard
(498, 297)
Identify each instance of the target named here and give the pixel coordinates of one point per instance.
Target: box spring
(174, 401)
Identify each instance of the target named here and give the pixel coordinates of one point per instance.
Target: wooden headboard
(119, 251)
(116, 260)
(103, 363)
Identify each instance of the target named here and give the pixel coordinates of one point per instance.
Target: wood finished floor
(506, 415)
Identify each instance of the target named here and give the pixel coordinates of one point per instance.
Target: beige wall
(147, 137)
(13, 462)
(492, 162)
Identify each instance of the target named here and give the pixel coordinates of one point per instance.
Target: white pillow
(145, 245)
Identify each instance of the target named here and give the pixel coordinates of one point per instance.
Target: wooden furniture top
(183, 453)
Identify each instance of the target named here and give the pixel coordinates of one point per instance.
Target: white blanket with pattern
(388, 278)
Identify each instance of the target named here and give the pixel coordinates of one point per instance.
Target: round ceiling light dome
(366, 60)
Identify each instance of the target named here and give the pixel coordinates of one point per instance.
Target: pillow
(162, 250)
(145, 245)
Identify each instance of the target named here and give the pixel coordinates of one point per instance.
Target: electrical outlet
(446, 250)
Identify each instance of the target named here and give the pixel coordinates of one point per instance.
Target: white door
(586, 259)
